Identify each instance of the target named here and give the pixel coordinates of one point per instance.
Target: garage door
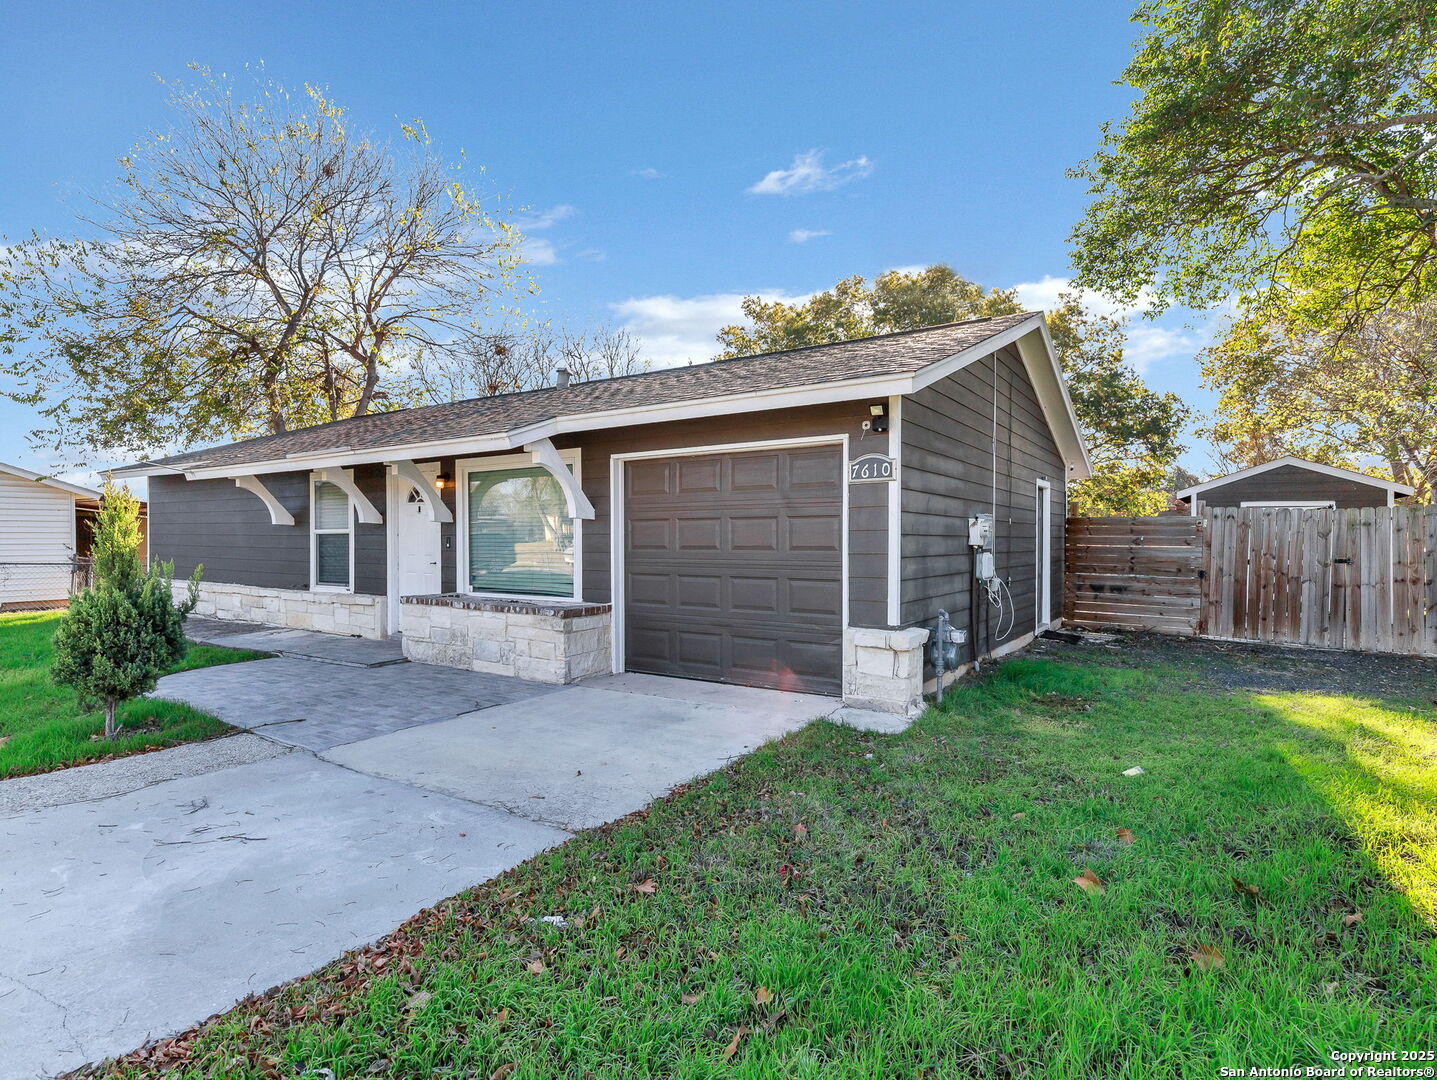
(733, 568)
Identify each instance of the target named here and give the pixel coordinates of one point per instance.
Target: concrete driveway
(134, 907)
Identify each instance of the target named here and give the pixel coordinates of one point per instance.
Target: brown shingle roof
(890, 354)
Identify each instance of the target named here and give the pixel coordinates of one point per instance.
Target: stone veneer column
(883, 669)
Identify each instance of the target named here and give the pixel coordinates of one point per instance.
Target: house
(45, 525)
(792, 520)
(1293, 481)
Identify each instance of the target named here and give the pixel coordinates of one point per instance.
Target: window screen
(521, 538)
(331, 535)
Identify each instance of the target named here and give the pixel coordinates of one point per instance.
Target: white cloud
(803, 236)
(539, 251)
(647, 174)
(592, 255)
(1148, 342)
(545, 219)
(808, 173)
(678, 329)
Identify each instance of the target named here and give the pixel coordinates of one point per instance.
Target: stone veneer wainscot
(355, 614)
(559, 641)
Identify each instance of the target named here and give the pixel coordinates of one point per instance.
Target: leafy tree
(124, 632)
(1334, 396)
(513, 360)
(853, 309)
(1132, 431)
(264, 266)
(1279, 150)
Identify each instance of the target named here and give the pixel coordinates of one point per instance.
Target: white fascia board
(793, 397)
(787, 398)
(1300, 463)
(413, 474)
(1040, 360)
(47, 481)
(544, 453)
(278, 515)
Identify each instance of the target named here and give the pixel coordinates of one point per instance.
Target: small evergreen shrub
(124, 632)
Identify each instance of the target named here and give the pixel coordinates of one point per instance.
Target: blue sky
(672, 157)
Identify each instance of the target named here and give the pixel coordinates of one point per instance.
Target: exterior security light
(879, 412)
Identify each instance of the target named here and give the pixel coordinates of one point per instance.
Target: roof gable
(1300, 463)
(876, 366)
(59, 485)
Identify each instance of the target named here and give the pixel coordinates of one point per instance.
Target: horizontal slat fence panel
(1134, 572)
(1361, 579)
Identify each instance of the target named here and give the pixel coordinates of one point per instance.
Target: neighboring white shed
(38, 535)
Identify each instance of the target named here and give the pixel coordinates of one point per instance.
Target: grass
(910, 905)
(42, 726)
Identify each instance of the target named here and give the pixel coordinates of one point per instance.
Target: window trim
(463, 468)
(315, 531)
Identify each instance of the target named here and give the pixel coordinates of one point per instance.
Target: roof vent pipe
(561, 377)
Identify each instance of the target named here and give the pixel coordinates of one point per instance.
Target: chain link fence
(35, 586)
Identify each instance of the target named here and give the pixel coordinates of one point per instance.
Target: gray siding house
(793, 520)
(1293, 481)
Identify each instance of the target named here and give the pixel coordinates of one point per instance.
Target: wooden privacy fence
(1134, 572)
(1341, 579)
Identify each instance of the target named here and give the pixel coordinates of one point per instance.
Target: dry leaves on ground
(1088, 882)
(1207, 957)
(732, 1048)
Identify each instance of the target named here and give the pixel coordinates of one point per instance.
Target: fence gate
(1136, 572)
(1341, 579)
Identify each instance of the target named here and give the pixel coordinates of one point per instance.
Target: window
(333, 531)
(519, 539)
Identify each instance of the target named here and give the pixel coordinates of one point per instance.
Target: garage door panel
(755, 472)
(699, 534)
(812, 469)
(813, 533)
(649, 478)
(814, 597)
(701, 592)
(650, 534)
(651, 589)
(743, 580)
(753, 534)
(760, 595)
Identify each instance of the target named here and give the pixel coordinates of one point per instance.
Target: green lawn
(847, 905)
(41, 725)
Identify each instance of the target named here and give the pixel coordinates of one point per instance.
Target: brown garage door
(733, 568)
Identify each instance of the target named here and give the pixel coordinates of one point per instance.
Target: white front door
(414, 559)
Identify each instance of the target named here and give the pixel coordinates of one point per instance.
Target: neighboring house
(697, 521)
(44, 526)
(1292, 481)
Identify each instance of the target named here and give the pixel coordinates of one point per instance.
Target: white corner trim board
(344, 480)
(544, 453)
(433, 504)
(278, 515)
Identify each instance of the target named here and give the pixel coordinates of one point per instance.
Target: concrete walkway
(135, 901)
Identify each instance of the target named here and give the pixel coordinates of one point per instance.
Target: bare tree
(524, 359)
(265, 266)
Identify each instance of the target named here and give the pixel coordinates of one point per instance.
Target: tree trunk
(110, 717)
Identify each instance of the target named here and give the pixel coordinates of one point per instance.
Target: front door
(414, 563)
